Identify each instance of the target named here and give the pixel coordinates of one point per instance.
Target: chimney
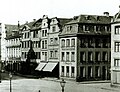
(34, 20)
(106, 14)
(26, 22)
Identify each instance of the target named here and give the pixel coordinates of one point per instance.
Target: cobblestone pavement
(53, 85)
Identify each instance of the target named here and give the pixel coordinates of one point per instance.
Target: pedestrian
(39, 91)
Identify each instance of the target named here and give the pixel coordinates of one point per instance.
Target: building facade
(115, 49)
(13, 51)
(85, 54)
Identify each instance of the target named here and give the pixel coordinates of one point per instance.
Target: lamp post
(10, 75)
(62, 83)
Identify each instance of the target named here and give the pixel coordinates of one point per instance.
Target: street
(48, 85)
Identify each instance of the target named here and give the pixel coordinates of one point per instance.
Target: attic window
(87, 17)
(98, 18)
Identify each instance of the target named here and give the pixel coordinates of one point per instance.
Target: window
(105, 43)
(36, 35)
(28, 44)
(117, 30)
(97, 72)
(53, 28)
(45, 44)
(56, 54)
(90, 42)
(51, 41)
(67, 71)
(82, 72)
(63, 43)
(82, 56)
(117, 46)
(97, 43)
(62, 73)
(45, 32)
(42, 33)
(98, 28)
(28, 35)
(90, 72)
(73, 56)
(45, 55)
(87, 28)
(70, 27)
(33, 34)
(56, 40)
(39, 44)
(105, 56)
(116, 62)
(22, 44)
(51, 54)
(97, 56)
(90, 56)
(63, 56)
(42, 44)
(67, 56)
(73, 42)
(72, 71)
(68, 42)
(83, 42)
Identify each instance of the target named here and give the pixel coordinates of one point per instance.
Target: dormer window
(87, 28)
(98, 18)
(70, 27)
(87, 17)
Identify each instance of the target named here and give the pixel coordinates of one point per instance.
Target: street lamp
(62, 83)
(10, 75)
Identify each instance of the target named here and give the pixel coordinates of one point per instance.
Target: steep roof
(116, 18)
(10, 29)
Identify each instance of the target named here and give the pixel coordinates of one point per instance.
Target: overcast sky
(12, 11)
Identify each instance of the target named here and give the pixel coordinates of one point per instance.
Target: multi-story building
(6, 32)
(115, 49)
(13, 50)
(85, 48)
(50, 29)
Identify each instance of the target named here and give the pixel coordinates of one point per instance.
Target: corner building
(85, 48)
(115, 49)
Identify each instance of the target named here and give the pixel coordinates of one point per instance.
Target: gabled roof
(27, 25)
(116, 18)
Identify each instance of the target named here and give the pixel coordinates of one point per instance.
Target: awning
(40, 66)
(50, 66)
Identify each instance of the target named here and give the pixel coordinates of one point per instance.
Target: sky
(12, 11)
